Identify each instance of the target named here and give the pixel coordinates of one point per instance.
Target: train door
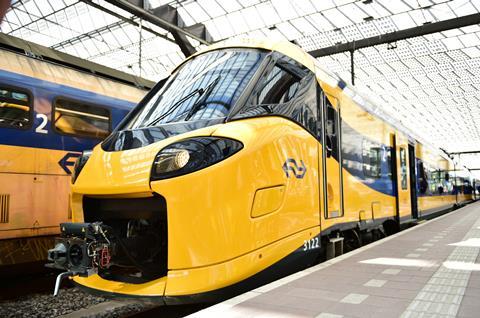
(404, 202)
(332, 168)
(393, 165)
(413, 181)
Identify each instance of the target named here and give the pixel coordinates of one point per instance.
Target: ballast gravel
(45, 305)
(73, 302)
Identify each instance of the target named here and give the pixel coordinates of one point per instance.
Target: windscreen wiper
(175, 106)
(201, 102)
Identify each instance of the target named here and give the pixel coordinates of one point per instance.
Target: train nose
(118, 172)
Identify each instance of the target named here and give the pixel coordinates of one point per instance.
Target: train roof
(333, 80)
(8, 42)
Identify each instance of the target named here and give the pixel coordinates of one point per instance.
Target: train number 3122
(311, 244)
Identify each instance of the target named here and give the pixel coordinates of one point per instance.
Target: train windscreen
(205, 87)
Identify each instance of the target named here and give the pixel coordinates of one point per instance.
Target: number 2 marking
(311, 244)
(41, 128)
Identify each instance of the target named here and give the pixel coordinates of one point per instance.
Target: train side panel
(368, 189)
(435, 181)
(36, 159)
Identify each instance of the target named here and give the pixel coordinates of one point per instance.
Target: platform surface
(430, 270)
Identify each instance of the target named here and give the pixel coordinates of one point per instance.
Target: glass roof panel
(288, 30)
(304, 7)
(211, 7)
(337, 18)
(284, 9)
(303, 24)
(374, 9)
(254, 21)
(394, 7)
(268, 13)
(197, 12)
(321, 23)
(323, 5)
(230, 6)
(238, 23)
(354, 12)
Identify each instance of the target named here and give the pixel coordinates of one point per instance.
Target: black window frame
(30, 104)
(63, 97)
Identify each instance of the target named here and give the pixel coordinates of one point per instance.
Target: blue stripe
(44, 93)
(352, 160)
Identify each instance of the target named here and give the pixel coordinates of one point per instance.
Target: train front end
(186, 201)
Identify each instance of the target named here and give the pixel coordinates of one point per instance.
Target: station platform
(429, 270)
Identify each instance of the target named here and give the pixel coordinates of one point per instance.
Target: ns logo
(68, 161)
(290, 166)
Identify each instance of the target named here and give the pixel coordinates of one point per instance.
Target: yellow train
(49, 114)
(242, 167)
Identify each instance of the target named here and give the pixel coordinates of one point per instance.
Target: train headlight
(192, 154)
(79, 164)
(171, 159)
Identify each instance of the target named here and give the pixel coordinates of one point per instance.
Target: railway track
(26, 291)
(24, 279)
(134, 309)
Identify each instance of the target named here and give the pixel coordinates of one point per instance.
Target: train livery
(241, 167)
(49, 114)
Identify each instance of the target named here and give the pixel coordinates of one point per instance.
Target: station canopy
(429, 83)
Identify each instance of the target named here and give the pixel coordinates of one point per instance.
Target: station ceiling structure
(428, 82)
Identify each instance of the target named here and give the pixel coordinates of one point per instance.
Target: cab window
(79, 119)
(287, 89)
(15, 108)
(279, 87)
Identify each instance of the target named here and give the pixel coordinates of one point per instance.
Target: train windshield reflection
(205, 87)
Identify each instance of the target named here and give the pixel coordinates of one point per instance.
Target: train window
(331, 126)
(434, 180)
(79, 119)
(278, 87)
(403, 168)
(287, 89)
(15, 108)
(372, 159)
(423, 178)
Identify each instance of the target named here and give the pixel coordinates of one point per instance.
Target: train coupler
(81, 250)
